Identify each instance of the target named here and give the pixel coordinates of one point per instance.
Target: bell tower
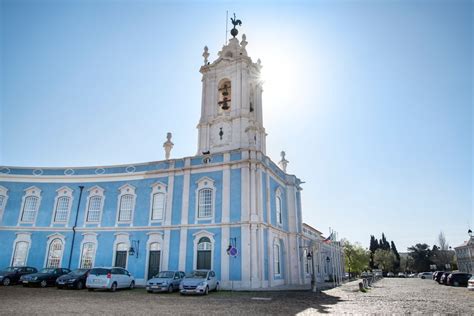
(231, 108)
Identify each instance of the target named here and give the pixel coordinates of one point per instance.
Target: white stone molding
(88, 237)
(205, 183)
(4, 199)
(225, 240)
(226, 194)
(66, 192)
(119, 239)
(197, 236)
(166, 254)
(124, 190)
(50, 239)
(95, 191)
(169, 200)
(21, 237)
(32, 191)
(158, 188)
(183, 237)
(154, 238)
(185, 197)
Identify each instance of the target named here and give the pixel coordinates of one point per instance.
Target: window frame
(63, 192)
(197, 237)
(125, 190)
(30, 192)
(92, 239)
(4, 193)
(276, 258)
(95, 191)
(51, 239)
(158, 188)
(203, 184)
(278, 207)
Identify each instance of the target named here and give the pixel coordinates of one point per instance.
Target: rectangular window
(93, 213)
(276, 255)
(29, 209)
(158, 206)
(2, 199)
(126, 207)
(62, 209)
(20, 253)
(205, 203)
(87, 258)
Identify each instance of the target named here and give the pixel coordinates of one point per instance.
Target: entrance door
(203, 259)
(120, 258)
(153, 263)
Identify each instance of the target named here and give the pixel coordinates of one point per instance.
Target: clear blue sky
(371, 100)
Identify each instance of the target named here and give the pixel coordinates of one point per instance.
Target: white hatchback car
(109, 278)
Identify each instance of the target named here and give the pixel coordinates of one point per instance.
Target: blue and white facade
(171, 214)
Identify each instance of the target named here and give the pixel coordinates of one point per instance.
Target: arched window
(126, 208)
(55, 253)
(278, 209)
(205, 203)
(62, 209)
(95, 206)
(158, 206)
(3, 200)
(20, 253)
(204, 253)
(276, 259)
(29, 209)
(87, 256)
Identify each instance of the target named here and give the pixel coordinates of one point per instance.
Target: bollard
(361, 287)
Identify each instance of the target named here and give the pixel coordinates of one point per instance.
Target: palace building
(229, 208)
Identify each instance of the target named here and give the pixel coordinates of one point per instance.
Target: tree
(385, 259)
(374, 245)
(421, 255)
(397, 256)
(357, 258)
(384, 243)
(441, 255)
(443, 244)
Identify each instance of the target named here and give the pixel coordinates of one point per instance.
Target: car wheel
(6, 281)
(90, 290)
(206, 291)
(422, 277)
(217, 287)
(132, 285)
(79, 285)
(43, 283)
(113, 288)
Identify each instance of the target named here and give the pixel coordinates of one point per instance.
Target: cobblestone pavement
(388, 296)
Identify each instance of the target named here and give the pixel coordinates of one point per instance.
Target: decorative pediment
(65, 191)
(205, 182)
(3, 190)
(159, 187)
(33, 190)
(96, 190)
(127, 189)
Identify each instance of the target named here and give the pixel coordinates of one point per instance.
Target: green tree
(421, 255)
(356, 257)
(385, 259)
(397, 256)
(374, 245)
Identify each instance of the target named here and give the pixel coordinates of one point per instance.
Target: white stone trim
(126, 189)
(63, 191)
(153, 237)
(197, 236)
(31, 191)
(50, 239)
(4, 192)
(21, 237)
(88, 237)
(95, 191)
(205, 183)
(158, 187)
(121, 238)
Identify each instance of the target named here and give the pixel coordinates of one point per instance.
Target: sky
(371, 100)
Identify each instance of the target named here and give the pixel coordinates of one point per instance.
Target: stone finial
(168, 145)
(205, 54)
(283, 162)
(244, 41)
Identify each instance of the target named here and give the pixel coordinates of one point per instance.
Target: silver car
(109, 278)
(199, 282)
(165, 281)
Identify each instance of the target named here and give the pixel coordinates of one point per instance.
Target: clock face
(221, 134)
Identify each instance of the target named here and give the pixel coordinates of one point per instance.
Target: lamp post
(314, 286)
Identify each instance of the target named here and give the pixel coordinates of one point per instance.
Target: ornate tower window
(158, 202)
(126, 203)
(95, 203)
(205, 198)
(63, 203)
(31, 202)
(3, 200)
(224, 94)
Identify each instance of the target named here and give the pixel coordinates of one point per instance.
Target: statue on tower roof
(235, 22)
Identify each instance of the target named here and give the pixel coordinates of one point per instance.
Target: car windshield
(78, 272)
(197, 274)
(47, 270)
(165, 274)
(10, 269)
(99, 271)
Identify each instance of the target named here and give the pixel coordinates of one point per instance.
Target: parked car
(435, 274)
(44, 277)
(109, 278)
(412, 275)
(458, 279)
(390, 275)
(199, 282)
(402, 275)
(425, 275)
(470, 284)
(11, 275)
(165, 281)
(444, 278)
(438, 276)
(75, 279)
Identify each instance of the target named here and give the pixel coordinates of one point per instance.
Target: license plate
(60, 282)
(25, 281)
(155, 287)
(96, 280)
